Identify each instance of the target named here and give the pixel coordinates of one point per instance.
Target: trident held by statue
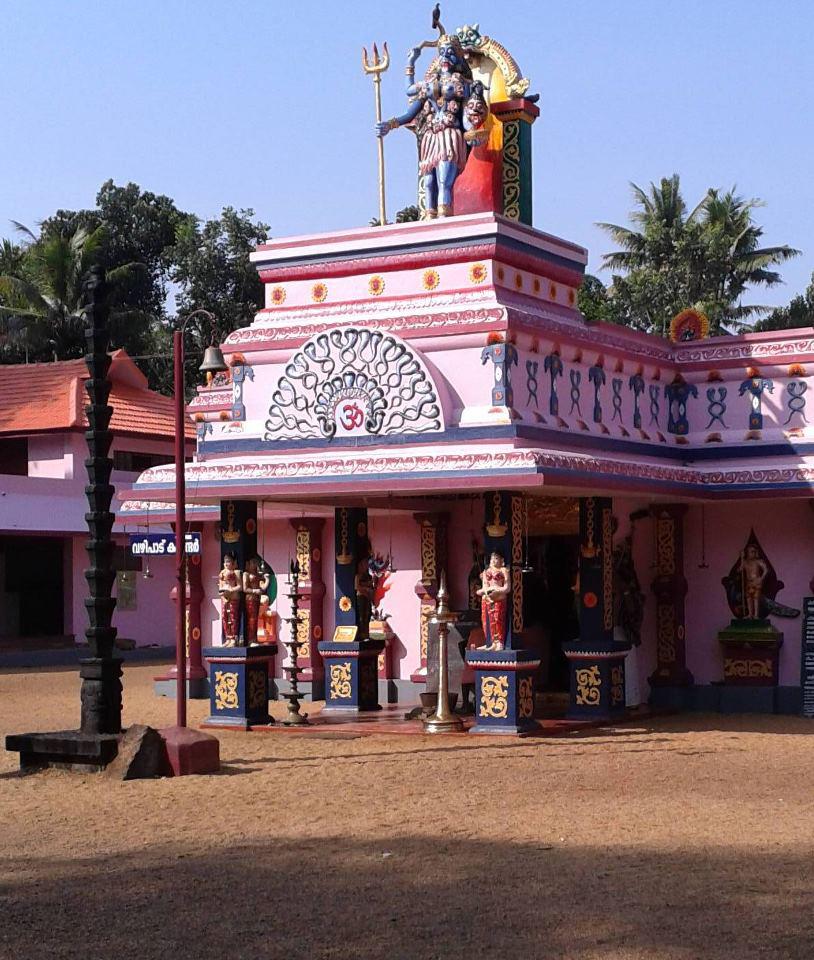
(377, 68)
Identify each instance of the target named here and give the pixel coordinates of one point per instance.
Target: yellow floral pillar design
(494, 697)
(525, 698)
(589, 681)
(340, 681)
(226, 696)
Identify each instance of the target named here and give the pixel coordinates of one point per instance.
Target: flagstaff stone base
(64, 749)
(597, 682)
(351, 675)
(239, 686)
(504, 690)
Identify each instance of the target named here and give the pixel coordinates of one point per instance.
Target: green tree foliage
(799, 313)
(151, 251)
(671, 258)
(40, 315)
(212, 268)
(405, 215)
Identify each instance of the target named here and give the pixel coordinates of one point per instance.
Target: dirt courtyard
(682, 838)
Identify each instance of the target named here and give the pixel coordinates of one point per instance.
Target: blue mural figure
(576, 379)
(716, 406)
(443, 106)
(636, 384)
(553, 366)
(532, 366)
(503, 356)
(653, 389)
(755, 386)
(597, 377)
(677, 395)
(616, 386)
(797, 402)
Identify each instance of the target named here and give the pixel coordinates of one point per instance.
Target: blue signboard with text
(162, 544)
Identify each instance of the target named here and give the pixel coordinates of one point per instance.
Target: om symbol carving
(494, 697)
(588, 683)
(340, 681)
(226, 697)
(351, 416)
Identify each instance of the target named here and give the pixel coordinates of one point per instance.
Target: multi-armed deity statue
(448, 111)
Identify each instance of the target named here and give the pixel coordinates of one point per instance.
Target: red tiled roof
(35, 397)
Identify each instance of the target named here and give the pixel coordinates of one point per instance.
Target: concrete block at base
(191, 751)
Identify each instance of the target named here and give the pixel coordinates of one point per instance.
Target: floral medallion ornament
(689, 325)
(375, 286)
(477, 272)
(319, 292)
(278, 296)
(345, 604)
(431, 279)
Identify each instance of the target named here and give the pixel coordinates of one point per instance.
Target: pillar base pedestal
(239, 686)
(351, 676)
(504, 690)
(597, 681)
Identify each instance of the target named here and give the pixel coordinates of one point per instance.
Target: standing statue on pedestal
(494, 594)
(364, 586)
(439, 106)
(230, 589)
(255, 585)
(752, 586)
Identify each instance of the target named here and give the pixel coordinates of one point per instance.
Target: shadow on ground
(408, 898)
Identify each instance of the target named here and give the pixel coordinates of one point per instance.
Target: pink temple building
(42, 503)
(429, 393)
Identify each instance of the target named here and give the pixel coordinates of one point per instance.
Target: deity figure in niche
(230, 588)
(255, 584)
(752, 585)
(364, 586)
(494, 594)
(441, 110)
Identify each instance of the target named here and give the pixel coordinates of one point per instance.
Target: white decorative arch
(353, 381)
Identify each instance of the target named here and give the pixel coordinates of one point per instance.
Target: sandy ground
(685, 838)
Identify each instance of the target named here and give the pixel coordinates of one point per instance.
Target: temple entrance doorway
(31, 588)
(549, 608)
(549, 611)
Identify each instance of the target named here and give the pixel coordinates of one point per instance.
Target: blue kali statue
(443, 106)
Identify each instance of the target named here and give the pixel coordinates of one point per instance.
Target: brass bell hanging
(213, 363)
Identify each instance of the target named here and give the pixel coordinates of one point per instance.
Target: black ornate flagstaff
(294, 717)
(95, 744)
(101, 672)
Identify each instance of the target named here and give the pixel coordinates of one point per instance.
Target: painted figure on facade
(752, 585)
(444, 107)
(363, 585)
(230, 588)
(255, 584)
(494, 594)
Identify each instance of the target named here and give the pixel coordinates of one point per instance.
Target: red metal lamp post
(188, 751)
(213, 363)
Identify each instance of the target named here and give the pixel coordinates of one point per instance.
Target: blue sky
(264, 105)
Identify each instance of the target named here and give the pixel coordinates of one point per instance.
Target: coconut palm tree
(41, 292)
(672, 258)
